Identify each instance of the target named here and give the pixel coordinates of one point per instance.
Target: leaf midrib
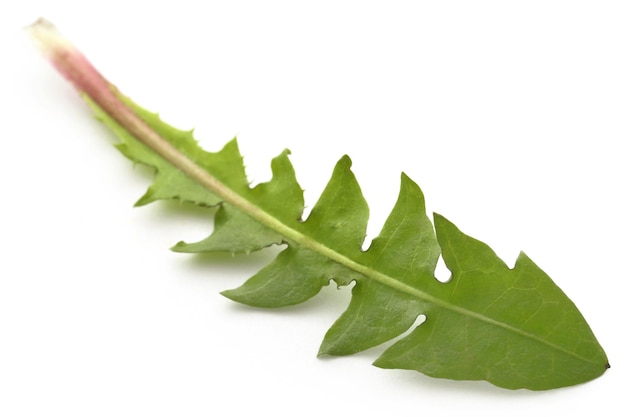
(171, 154)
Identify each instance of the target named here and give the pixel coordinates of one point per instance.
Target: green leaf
(512, 327)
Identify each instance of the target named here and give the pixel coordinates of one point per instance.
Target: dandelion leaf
(512, 327)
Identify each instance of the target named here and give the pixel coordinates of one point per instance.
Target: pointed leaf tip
(345, 161)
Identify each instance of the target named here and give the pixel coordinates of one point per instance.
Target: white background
(510, 115)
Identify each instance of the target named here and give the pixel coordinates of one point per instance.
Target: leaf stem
(75, 67)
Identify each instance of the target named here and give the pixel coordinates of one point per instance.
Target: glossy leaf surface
(512, 327)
